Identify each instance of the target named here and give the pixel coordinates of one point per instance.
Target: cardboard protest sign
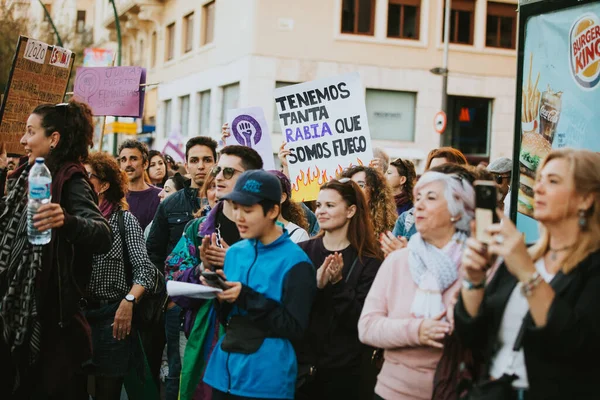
(39, 75)
(249, 128)
(111, 91)
(324, 123)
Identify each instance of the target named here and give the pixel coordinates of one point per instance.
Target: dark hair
(178, 181)
(201, 141)
(73, 120)
(250, 158)
(107, 170)
(290, 210)
(450, 154)
(480, 174)
(136, 144)
(406, 168)
(459, 170)
(268, 205)
(151, 155)
(381, 201)
(360, 230)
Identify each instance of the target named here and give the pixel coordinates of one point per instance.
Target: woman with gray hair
(405, 310)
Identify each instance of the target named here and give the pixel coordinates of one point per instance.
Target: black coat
(170, 220)
(562, 358)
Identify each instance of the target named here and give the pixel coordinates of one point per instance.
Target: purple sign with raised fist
(249, 128)
(246, 130)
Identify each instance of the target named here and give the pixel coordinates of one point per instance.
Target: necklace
(553, 252)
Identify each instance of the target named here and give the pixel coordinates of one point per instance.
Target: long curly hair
(290, 210)
(107, 170)
(73, 120)
(381, 201)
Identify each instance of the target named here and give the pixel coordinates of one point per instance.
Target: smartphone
(214, 280)
(486, 203)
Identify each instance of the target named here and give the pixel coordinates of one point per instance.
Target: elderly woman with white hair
(405, 310)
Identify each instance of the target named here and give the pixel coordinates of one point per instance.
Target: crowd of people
(379, 289)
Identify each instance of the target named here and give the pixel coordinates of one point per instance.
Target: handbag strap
(351, 269)
(122, 232)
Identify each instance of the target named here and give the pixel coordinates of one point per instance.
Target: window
(167, 117)
(204, 106)
(170, 43)
(208, 23)
(276, 126)
(231, 99)
(501, 27)
(403, 19)
(188, 33)
(80, 25)
(391, 114)
(468, 125)
(184, 114)
(49, 12)
(358, 17)
(462, 21)
(153, 50)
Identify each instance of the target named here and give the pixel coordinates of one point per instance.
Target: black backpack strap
(126, 262)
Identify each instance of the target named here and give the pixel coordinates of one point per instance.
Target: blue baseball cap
(255, 186)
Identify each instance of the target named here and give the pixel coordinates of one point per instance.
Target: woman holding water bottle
(45, 339)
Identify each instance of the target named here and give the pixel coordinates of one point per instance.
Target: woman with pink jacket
(405, 310)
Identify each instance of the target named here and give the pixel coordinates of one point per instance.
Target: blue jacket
(278, 287)
(405, 224)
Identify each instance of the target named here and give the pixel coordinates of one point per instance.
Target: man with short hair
(142, 198)
(178, 209)
(272, 286)
(206, 241)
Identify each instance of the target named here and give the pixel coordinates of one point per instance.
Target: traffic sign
(439, 122)
(128, 128)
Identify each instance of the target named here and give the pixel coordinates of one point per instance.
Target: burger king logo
(585, 51)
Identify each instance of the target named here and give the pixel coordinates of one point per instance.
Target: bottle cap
(39, 160)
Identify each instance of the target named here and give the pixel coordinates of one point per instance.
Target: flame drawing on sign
(309, 181)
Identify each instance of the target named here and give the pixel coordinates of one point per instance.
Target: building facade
(208, 56)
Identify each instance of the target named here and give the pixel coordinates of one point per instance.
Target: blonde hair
(584, 168)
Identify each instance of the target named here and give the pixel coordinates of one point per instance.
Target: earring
(453, 219)
(51, 147)
(583, 220)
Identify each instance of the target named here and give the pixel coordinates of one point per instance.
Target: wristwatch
(130, 298)
(467, 284)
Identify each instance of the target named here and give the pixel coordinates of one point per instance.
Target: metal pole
(119, 43)
(446, 51)
(58, 39)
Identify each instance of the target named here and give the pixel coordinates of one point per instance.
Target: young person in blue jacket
(272, 285)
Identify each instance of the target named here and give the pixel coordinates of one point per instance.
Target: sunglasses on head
(91, 174)
(228, 172)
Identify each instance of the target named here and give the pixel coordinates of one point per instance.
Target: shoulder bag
(150, 308)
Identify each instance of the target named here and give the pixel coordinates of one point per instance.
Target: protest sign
(249, 128)
(324, 123)
(98, 57)
(35, 78)
(111, 91)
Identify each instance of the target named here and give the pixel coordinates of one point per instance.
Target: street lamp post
(119, 45)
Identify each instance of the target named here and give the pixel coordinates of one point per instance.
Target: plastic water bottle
(40, 181)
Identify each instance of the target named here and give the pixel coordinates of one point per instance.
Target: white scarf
(433, 270)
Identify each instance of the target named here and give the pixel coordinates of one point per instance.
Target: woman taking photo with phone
(347, 256)
(45, 338)
(539, 317)
(405, 311)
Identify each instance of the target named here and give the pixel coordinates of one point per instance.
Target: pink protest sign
(111, 91)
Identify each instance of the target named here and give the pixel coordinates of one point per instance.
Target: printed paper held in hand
(193, 290)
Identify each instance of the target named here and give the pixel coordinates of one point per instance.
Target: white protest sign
(249, 128)
(61, 57)
(324, 123)
(36, 51)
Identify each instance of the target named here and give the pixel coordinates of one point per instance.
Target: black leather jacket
(169, 222)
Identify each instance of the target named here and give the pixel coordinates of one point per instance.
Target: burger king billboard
(559, 91)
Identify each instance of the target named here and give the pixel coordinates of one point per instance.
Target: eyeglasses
(499, 178)
(90, 175)
(228, 172)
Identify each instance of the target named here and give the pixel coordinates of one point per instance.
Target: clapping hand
(212, 255)
(390, 243)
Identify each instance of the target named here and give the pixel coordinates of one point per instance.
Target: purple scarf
(209, 226)
(107, 208)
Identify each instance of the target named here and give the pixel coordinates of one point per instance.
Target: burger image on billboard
(534, 148)
(584, 57)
